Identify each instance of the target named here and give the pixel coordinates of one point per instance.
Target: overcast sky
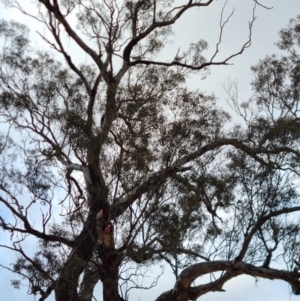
(195, 24)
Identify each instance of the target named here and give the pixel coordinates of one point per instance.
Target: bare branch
(29, 229)
(233, 268)
(263, 219)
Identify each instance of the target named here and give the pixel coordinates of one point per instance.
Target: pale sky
(203, 23)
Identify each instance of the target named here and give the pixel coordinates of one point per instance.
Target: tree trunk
(89, 281)
(67, 283)
(110, 279)
(66, 288)
(111, 261)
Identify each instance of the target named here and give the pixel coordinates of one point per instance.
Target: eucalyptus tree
(115, 165)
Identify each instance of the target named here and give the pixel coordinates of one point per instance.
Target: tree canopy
(115, 165)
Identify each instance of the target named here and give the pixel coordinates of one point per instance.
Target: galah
(100, 214)
(108, 229)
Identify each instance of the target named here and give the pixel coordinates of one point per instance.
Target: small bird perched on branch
(108, 228)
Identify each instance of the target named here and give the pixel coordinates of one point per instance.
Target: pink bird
(100, 214)
(108, 229)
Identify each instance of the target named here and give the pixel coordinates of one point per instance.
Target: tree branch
(136, 192)
(134, 41)
(59, 16)
(28, 229)
(233, 268)
(258, 224)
